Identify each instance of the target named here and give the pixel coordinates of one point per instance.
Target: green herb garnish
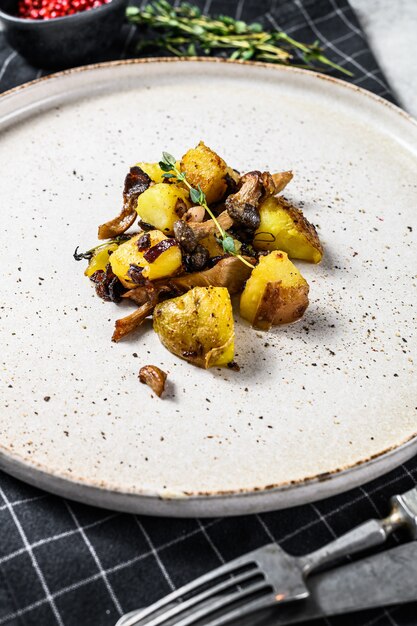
(186, 32)
(78, 256)
(169, 167)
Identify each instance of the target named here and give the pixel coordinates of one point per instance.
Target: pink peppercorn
(49, 9)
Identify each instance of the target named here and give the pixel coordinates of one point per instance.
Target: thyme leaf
(199, 197)
(78, 256)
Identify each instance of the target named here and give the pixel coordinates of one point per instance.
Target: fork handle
(369, 534)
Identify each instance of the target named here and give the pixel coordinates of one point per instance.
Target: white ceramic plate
(319, 406)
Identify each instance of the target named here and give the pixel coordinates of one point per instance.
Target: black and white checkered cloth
(69, 564)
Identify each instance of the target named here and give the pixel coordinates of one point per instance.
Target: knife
(383, 579)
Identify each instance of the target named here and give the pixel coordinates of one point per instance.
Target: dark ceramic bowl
(64, 41)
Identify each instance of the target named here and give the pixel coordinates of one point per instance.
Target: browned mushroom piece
(140, 294)
(185, 236)
(131, 322)
(204, 229)
(195, 256)
(281, 180)
(136, 182)
(108, 286)
(242, 205)
(229, 272)
(268, 184)
(154, 377)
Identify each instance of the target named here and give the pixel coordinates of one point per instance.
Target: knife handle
(369, 534)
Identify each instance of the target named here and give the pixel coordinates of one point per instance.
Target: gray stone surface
(391, 27)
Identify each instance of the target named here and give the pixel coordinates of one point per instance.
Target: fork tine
(239, 613)
(228, 568)
(221, 603)
(208, 594)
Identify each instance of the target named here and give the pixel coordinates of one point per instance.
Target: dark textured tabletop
(69, 564)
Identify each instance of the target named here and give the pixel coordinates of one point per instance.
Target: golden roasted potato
(284, 227)
(206, 169)
(100, 258)
(161, 258)
(198, 326)
(152, 170)
(161, 205)
(275, 293)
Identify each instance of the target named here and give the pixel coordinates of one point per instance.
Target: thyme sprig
(78, 256)
(185, 31)
(168, 165)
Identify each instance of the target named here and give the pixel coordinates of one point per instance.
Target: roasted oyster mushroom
(131, 322)
(242, 205)
(195, 256)
(136, 182)
(204, 229)
(229, 272)
(281, 180)
(108, 285)
(154, 377)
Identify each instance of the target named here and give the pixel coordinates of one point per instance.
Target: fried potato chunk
(100, 259)
(276, 292)
(198, 326)
(150, 255)
(162, 205)
(206, 169)
(152, 170)
(284, 227)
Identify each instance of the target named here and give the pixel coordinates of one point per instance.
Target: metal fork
(267, 576)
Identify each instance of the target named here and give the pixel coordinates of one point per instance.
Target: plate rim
(264, 498)
(199, 59)
(245, 501)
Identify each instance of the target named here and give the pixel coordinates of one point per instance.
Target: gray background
(391, 27)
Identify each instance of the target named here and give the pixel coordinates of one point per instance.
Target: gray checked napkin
(69, 564)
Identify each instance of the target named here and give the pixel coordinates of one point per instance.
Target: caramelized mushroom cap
(136, 182)
(154, 377)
